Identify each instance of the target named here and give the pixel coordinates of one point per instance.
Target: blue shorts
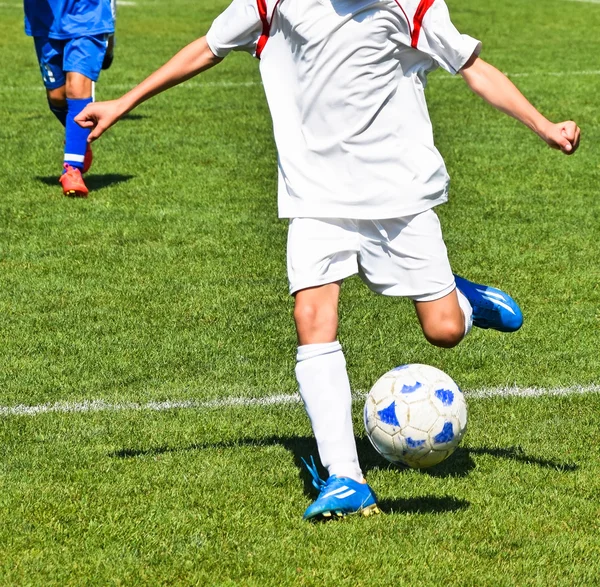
(82, 55)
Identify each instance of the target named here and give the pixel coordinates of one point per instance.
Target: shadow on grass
(133, 117)
(517, 453)
(459, 464)
(302, 447)
(93, 182)
(427, 504)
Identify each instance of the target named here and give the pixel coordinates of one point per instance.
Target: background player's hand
(99, 116)
(563, 136)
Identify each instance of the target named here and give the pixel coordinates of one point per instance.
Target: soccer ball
(415, 415)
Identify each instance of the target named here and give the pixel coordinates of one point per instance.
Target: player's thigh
(406, 257)
(84, 55)
(320, 251)
(50, 59)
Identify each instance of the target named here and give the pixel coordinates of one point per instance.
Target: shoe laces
(318, 483)
(70, 170)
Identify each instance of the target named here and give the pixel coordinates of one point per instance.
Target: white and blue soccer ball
(415, 415)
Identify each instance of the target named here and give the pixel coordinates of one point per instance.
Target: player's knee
(78, 86)
(445, 333)
(313, 317)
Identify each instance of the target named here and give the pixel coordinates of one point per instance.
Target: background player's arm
(190, 61)
(494, 87)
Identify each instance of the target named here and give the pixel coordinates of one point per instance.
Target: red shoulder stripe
(422, 9)
(266, 24)
(262, 12)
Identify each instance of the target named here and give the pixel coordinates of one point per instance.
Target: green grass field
(168, 285)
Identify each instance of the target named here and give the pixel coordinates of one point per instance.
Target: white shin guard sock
(467, 310)
(325, 390)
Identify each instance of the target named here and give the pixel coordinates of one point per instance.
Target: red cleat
(88, 158)
(72, 183)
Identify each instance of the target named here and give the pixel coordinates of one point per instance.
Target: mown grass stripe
(272, 400)
(246, 84)
(125, 87)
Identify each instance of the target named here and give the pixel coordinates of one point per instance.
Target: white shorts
(395, 257)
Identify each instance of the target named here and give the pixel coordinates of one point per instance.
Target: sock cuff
(76, 101)
(467, 310)
(310, 351)
(76, 105)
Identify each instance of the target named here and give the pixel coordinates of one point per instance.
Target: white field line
(125, 87)
(273, 400)
(103, 406)
(211, 85)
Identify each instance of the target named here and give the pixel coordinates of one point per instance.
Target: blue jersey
(68, 19)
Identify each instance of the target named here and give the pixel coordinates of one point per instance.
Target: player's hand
(563, 136)
(99, 116)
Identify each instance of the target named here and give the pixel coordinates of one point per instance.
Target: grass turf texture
(169, 283)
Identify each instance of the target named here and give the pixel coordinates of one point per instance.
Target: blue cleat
(339, 496)
(492, 308)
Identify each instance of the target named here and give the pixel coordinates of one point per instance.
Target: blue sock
(76, 137)
(60, 112)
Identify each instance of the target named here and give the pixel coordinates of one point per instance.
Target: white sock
(325, 390)
(467, 310)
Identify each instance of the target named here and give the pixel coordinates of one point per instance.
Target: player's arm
(494, 87)
(190, 61)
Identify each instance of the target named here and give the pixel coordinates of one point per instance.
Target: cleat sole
(74, 194)
(371, 510)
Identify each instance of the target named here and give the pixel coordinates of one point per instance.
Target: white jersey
(344, 80)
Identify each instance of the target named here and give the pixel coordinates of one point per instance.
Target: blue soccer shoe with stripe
(492, 308)
(339, 497)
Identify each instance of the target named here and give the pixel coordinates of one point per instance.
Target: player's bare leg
(325, 390)
(316, 313)
(78, 86)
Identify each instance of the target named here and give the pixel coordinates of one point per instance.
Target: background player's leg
(50, 58)
(445, 321)
(110, 41)
(323, 379)
(57, 101)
